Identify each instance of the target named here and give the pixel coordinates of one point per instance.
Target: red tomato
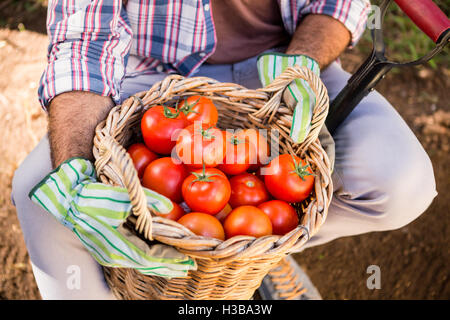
(261, 156)
(247, 189)
(200, 144)
(203, 224)
(281, 214)
(165, 177)
(176, 213)
(289, 178)
(160, 126)
(237, 155)
(206, 190)
(247, 221)
(223, 213)
(197, 108)
(141, 157)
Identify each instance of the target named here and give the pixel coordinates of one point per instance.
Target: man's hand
(96, 213)
(318, 40)
(320, 37)
(73, 117)
(298, 95)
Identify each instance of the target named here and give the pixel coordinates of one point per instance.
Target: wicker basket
(231, 269)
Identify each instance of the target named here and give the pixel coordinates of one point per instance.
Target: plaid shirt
(91, 40)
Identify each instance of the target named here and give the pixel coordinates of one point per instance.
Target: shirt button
(206, 7)
(160, 68)
(202, 54)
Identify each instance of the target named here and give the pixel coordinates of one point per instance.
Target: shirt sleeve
(89, 45)
(352, 13)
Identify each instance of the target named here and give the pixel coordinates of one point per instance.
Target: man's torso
(181, 35)
(245, 28)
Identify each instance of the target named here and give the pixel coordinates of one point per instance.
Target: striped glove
(95, 212)
(299, 95)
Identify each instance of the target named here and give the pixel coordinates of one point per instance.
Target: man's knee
(385, 172)
(409, 193)
(32, 170)
(401, 195)
(21, 184)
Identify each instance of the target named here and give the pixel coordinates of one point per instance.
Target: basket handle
(111, 150)
(278, 86)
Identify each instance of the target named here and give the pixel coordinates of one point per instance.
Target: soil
(413, 260)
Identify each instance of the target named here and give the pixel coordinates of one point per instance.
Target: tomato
(247, 189)
(237, 155)
(289, 178)
(159, 126)
(200, 144)
(223, 213)
(197, 108)
(262, 150)
(176, 213)
(247, 221)
(206, 190)
(141, 157)
(203, 224)
(165, 177)
(281, 214)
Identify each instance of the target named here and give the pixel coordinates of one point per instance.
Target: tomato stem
(203, 176)
(250, 184)
(235, 140)
(301, 171)
(206, 133)
(169, 114)
(188, 108)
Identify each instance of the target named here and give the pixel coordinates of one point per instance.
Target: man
(102, 51)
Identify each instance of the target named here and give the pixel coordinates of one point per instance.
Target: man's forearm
(73, 117)
(320, 37)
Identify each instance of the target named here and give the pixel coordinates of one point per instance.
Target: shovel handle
(427, 16)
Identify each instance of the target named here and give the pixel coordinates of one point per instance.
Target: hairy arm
(320, 37)
(73, 117)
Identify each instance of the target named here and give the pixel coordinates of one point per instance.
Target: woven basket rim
(114, 166)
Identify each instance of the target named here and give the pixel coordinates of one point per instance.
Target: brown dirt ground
(413, 260)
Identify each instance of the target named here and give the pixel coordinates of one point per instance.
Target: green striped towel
(95, 212)
(298, 95)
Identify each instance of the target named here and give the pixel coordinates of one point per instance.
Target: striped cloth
(91, 40)
(95, 212)
(298, 95)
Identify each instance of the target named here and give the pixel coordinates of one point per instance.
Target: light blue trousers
(383, 180)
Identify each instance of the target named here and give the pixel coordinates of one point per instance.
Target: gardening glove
(96, 212)
(299, 96)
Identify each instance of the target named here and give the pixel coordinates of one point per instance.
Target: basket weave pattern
(231, 269)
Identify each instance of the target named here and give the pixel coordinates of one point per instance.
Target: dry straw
(231, 269)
